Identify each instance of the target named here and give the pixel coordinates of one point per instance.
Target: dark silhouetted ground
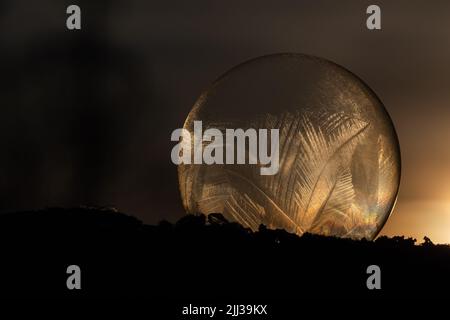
(204, 258)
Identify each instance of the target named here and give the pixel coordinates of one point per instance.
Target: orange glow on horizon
(416, 218)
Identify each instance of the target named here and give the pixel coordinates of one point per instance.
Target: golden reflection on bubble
(339, 159)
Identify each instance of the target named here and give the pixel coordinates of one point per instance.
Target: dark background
(86, 116)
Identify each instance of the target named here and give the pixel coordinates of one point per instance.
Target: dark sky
(86, 116)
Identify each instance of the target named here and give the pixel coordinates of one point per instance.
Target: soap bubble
(339, 157)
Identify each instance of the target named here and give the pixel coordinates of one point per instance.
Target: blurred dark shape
(191, 221)
(217, 218)
(427, 242)
(164, 224)
(398, 241)
(121, 257)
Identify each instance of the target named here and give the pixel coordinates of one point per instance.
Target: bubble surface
(339, 157)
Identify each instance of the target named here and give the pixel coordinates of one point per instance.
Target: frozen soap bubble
(339, 158)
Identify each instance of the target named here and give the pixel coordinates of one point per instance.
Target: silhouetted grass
(204, 257)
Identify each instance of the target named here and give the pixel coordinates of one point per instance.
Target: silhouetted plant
(205, 257)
